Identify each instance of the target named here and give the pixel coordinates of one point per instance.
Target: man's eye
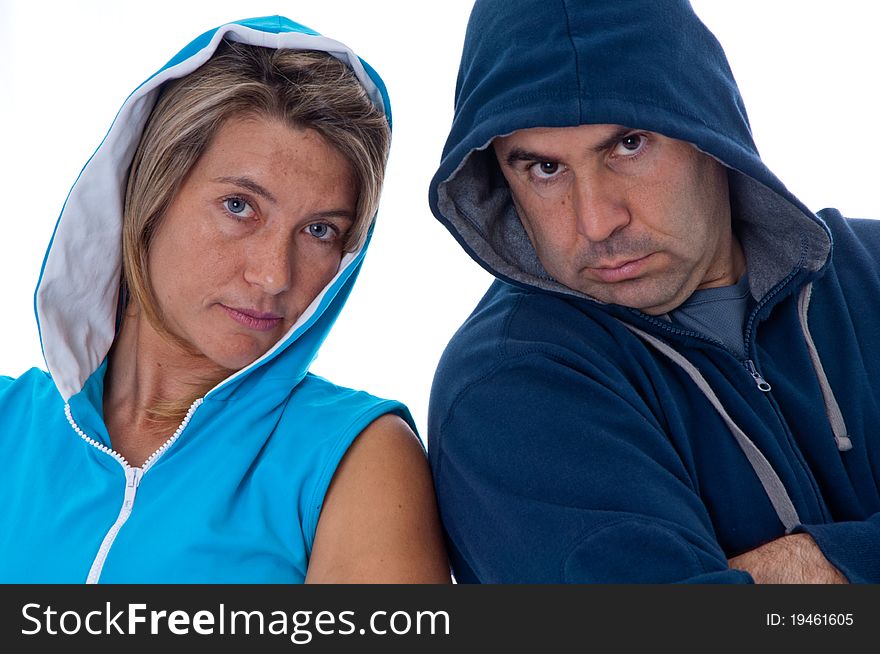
(545, 169)
(630, 145)
(238, 207)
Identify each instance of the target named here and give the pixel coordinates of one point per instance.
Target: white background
(808, 71)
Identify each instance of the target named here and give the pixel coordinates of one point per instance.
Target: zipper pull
(759, 381)
(133, 477)
(132, 481)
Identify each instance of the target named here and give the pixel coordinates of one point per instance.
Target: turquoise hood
(77, 293)
(235, 494)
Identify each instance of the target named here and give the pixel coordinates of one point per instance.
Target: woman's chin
(234, 359)
(233, 350)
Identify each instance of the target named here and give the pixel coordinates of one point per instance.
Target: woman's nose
(269, 265)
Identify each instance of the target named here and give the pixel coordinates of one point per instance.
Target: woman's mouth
(256, 320)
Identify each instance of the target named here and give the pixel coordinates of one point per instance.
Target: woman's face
(254, 234)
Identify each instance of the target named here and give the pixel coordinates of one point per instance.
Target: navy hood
(643, 64)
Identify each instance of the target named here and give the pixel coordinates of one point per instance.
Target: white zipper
(132, 481)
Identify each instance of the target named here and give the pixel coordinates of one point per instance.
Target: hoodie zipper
(752, 370)
(760, 382)
(132, 481)
(133, 478)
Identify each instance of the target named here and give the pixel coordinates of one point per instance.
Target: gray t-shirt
(718, 313)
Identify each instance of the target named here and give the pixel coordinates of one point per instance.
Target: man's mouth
(620, 270)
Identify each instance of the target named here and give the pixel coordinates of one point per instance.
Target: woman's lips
(256, 320)
(626, 270)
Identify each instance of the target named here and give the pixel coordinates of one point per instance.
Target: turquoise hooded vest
(235, 494)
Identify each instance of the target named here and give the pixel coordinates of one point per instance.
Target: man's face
(625, 216)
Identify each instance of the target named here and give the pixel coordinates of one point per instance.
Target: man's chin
(629, 295)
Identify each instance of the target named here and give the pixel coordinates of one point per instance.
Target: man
(673, 378)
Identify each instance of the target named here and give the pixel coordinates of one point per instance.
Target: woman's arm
(379, 521)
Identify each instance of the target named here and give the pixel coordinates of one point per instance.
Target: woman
(199, 261)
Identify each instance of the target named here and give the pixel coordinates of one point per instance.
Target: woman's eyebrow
(250, 185)
(344, 214)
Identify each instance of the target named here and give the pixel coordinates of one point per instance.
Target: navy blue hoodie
(575, 441)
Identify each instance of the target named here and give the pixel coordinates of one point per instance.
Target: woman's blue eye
(236, 206)
(319, 230)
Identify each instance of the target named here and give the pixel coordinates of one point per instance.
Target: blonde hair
(303, 88)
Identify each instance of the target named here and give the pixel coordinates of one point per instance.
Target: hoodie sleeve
(545, 476)
(852, 547)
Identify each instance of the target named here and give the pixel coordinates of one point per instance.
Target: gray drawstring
(832, 409)
(766, 474)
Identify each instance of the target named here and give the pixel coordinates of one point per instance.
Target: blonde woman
(197, 266)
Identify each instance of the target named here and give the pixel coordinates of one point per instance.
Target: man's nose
(599, 208)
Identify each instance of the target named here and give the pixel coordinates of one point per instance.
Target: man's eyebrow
(521, 154)
(613, 139)
(250, 185)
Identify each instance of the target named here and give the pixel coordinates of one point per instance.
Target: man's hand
(794, 559)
